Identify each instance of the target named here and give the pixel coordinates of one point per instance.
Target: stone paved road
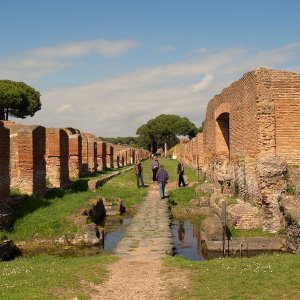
(149, 234)
(140, 274)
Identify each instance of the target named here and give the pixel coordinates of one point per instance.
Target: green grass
(262, 277)
(236, 233)
(51, 277)
(182, 198)
(51, 217)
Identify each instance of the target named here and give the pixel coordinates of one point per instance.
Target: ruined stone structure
(109, 156)
(27, 158)
(75, 152)
(247, 137)
(5, 209)
(29, 153)
(57, 157)
(251, 135)
(84, 154)
(191, 152)
(101, 156)
(91, 152)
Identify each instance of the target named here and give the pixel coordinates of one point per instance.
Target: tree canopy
(18, 99)
(128, 140)
(165, 129)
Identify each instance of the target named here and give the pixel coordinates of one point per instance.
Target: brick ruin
(75, 152)
(101, 156)
(5, 209)
(91, 152)
(27, 158)
(251, 136)
(30, 154)
(109, 156)
(57, 157)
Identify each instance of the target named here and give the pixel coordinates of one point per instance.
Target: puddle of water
(115, 229)
(186, 238)
(188, 243)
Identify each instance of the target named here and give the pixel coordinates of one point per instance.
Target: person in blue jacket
(162, 177)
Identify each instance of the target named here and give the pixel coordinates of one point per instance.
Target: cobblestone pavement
(149, 233)
(140, 274)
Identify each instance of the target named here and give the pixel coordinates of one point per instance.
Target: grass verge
(51, 216)
(52, 277)
(262, 277)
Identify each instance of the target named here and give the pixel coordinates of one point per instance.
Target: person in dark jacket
(154, 167)
(138, 170)
(180, 172)
(162, 177)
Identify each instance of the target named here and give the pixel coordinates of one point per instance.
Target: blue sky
(107, 67)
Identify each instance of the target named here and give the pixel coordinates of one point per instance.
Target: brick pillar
(111, 162)
(109, 156)
(84, 153)
(5, 209)
(101, 156)
(75, 152)
(27, 148)
(57, 157)
(92, 152)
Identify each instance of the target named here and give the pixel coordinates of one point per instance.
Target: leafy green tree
(18, 99)
(165, 129)
(128, 140)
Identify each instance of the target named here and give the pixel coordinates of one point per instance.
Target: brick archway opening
(223, 135)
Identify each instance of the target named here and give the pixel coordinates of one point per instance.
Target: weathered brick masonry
(101, 156)
(191, 152)
(109, 155)
(57, 157)
(91, 152)
(75, 152)
(251, 133)
(5, 209)
(27, 158)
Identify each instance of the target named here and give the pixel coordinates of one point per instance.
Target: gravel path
(140, 274)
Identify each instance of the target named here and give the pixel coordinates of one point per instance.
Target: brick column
(75, 152)
(27, 159)
(57, 156)
(101, 156)
(5, 210)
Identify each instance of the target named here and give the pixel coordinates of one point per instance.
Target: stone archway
(223, 135)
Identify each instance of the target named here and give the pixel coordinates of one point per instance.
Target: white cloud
(204, 84)
(64, 108)
(118, 106)
(40, 62)
(102, 47)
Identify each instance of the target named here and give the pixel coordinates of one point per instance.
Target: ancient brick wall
(285, 87)
(191, 152)
(57, 157)
(27, 148)
(110, 155)
(84, 153)
(92, 152)
(5, 209)
(247, 137)
(101, 156)
(75, 152)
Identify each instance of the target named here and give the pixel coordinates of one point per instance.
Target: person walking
(154, 167)
(138, 170)
(180, 172)
(162, 177)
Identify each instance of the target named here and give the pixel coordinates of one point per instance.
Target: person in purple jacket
(162, 177)
(154, 167)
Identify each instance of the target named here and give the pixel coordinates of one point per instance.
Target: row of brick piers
(32, 157)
